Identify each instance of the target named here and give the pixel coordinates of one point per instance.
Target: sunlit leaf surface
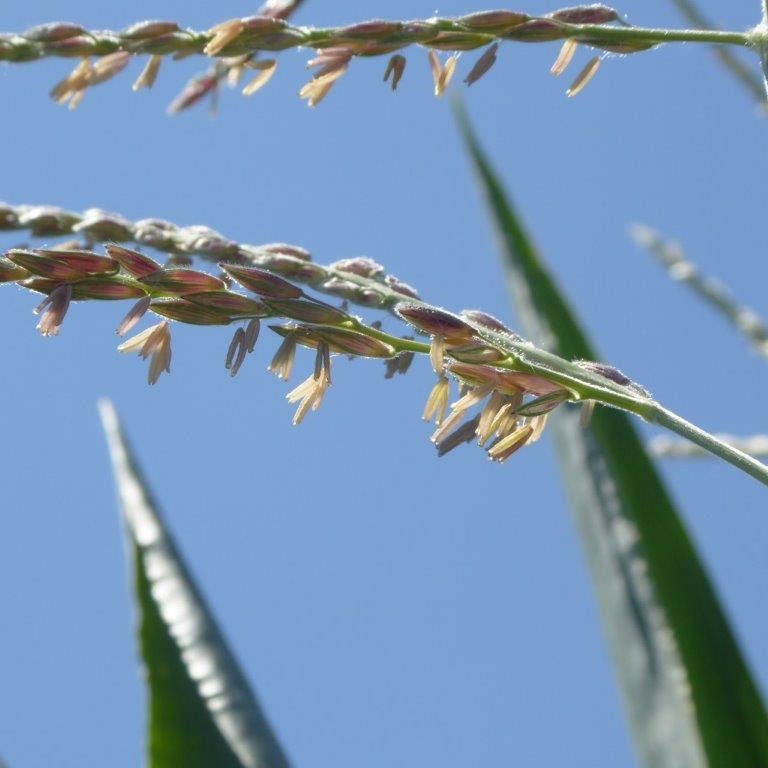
(689, 695)
(202, 712)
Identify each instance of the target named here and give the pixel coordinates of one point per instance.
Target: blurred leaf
(202, 712)
(712, 291)
(689, 695)
(742, 73)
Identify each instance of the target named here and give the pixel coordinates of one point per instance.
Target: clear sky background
(389, 608)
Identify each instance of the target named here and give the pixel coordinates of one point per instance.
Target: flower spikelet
(155, 341)
(437, 402)
(441, 73)
(395, 67)
(72, 88)
(437, 354)
(583, 78)
(310, 392)
(243, 343)
(482, 65)
(504, 447)
(265, 69)
(135, 314)
(317, 88)
(223, 35)
(149, 74)
(564, 57)
(53, 308)
(282, 362)
(464, 434)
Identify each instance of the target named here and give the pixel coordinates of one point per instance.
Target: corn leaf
(202, 712)
(688, 693)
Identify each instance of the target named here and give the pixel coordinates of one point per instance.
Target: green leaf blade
(689, 696)
(202, 712)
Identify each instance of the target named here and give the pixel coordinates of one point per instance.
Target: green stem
(734, 456)
(619, 35)
(400, 344)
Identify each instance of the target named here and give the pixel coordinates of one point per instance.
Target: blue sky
(389, 608)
